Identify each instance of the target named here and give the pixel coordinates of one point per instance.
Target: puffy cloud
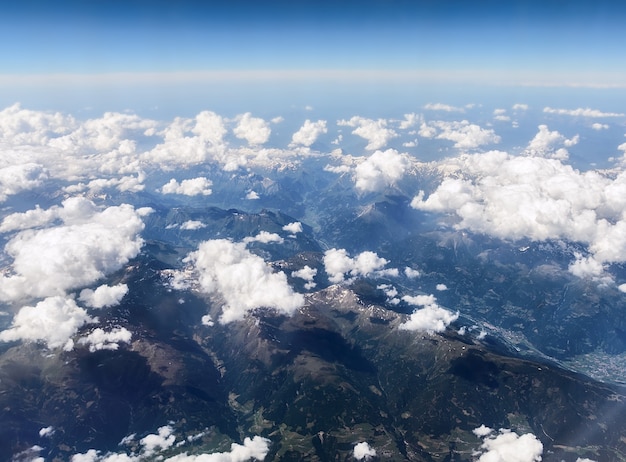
(374, 131)
(582, 112)
(441, 287)
(464, 134)
(515, 197)
(411, 273)
(520, 107)
(265, 238)
(546, 142)
(338, 264)
(192, 225)
(410, 121)
(253, 129)
(622, 288)
(443, 107)
(363, 451)
(431, 318)
(508, 446)
(163, 439)
(103, 296)
(98, 339)
(252, 195)
(307, 273)
(53, 321)
(242, 279)
(293, 228)
(20, 126)
(191, 141)
(380, 170)
(191, 187)
(308, 133)
(89, 244)
(598, 126)
(46, 431)
(22, 177)
(252, 448)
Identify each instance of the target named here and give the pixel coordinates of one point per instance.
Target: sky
(155, 48)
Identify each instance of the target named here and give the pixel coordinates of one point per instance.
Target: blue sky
(97, 36)
(87, 44)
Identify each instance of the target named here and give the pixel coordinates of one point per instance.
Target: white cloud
(265, 238)
(598, 126)
(163, 439)
(374, 131)
(25, 127)
(191, 187)
(254, 130)
(252, 195)
(242, 279)
(411, 273)
(46, 431)
(21, 177)
(89, 244)
(380, 170)
(582, 112)
(192, 225)
(441, 287)
(482, 431)
(410, 121)
(546, 144)
(308, 133)
(293, 228)
(363, 451)
(431, 318)
(103, 296)
(338, 264)
(53, 321)
(443, 107)
(515, 197)
(307, 273)
(622, 288)
(520, 107)
(98, 339)
(252, 448)
(508, 446)
(464, 134)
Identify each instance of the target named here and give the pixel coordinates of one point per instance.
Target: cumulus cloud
(515, 197)
(443, 107)
(98, 339)
(192, 225)
(508, 446)
(339, 265)
(252, 195)
(191, 187)
(520, 107)
(411, 272)
(308, 133)
(431, 318)
(598, 126)
(21, 177)
(293, 228)
(252, 448)
(374, 131)
(52, 321)
(582, 112)
(550, 144)
(254, 130)
(307, 273)
(88, 244)
(243, 280)
(103, 296)
(46, 431)
(465, 135)
(265, 238)
(410, 120)
(381, 169)
(363, 451)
